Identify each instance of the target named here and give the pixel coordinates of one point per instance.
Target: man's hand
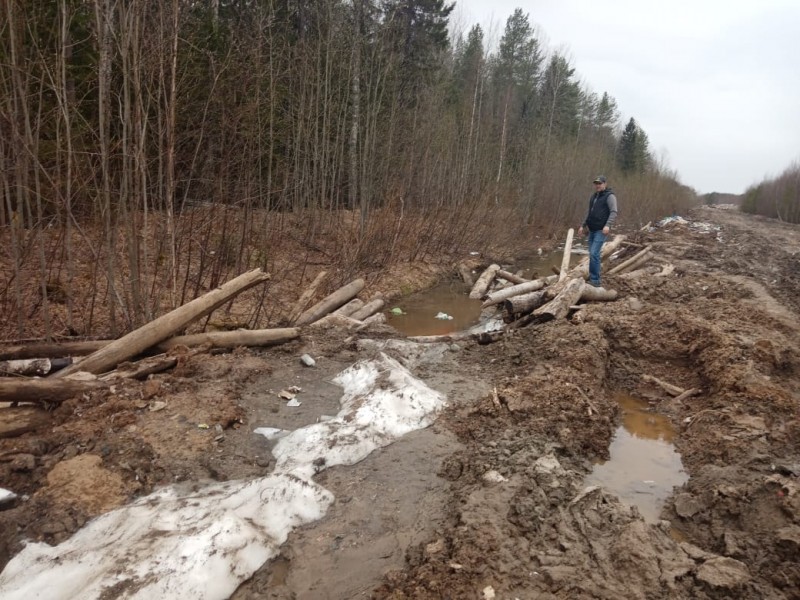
(606, 230)
(580, 230)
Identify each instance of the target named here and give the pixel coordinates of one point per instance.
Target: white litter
(293, 402)
(444, 317)
(271, 433)
(6, 496)
(201, 544)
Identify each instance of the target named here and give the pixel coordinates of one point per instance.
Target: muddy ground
(419, 518)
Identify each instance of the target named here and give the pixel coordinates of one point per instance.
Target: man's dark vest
(599, 210)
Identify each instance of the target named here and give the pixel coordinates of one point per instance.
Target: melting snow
(202, 544)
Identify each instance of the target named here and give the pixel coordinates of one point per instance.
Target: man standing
(601, 216)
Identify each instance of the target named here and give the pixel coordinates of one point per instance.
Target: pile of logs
(524, 302)
(106, 360)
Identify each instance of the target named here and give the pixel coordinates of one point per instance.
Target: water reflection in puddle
(451, 298)
(644, 466)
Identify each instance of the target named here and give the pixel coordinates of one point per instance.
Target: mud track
(419, 519)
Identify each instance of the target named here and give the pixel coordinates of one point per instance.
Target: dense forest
(152, 149)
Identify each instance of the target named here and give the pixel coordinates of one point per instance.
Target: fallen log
(515, 290)
(672, 390)
(30, 367)
(524, 303)
(165, 326)
(484, 281)
(558, 307)
(652, 270)
(44, 390)
(582, 268)
(457, 336)
(54, 350)
(369, 309)
(335, 321)
(142, 369)
(466, 275)
(567, 254)
(629, 262)
(349, 308)
(597, 294)
(511, 277)
(330, 303)
(233, 339)
(16, 420)
(376, 319)
(687, 394)
(306, 296)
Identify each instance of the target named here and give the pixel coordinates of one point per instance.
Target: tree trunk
(349, 308)
(466, 275)
(651, 270)
(33, 366)
(45, 350)
(331, 303)
(306, 296)
(567, 253)
(14, 421)
(597, 294)
(582, 270)
(629, 262)
(515, 290)
(368, 310)
(524, 303)
(483, 283)
(511, 277)
(44, 390)
(233, 339)
(559, 306)
(165, 326)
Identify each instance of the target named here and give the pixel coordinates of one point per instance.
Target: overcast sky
(715, 84)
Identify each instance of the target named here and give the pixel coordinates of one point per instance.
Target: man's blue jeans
(596, 240)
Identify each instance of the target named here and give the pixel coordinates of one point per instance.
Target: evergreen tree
(560, 98)
(633, 154)
(419, 31)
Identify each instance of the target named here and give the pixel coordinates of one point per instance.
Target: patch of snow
(202, 544)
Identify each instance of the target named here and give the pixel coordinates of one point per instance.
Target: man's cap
(599, 179)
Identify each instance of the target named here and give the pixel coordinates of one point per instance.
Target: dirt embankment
(421, 518)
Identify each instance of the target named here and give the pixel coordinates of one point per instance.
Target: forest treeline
(152, 149)
(776, 197)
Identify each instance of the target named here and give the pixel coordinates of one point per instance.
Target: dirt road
(421, 518)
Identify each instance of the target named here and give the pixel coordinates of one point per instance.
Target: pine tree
(633, 154)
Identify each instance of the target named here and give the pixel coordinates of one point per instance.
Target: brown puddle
(450, 298)
(644, 466)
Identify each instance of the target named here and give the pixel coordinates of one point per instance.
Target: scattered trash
(295, 389)
(307, 360)
(444, 317)
(271, 433)
(202, 426)
(488, 593)
(157, 406)
(293, 402)
(286, 395)
(675, 219)
(474, 253)
(6, 497)
(493, 477)
(397, 311)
